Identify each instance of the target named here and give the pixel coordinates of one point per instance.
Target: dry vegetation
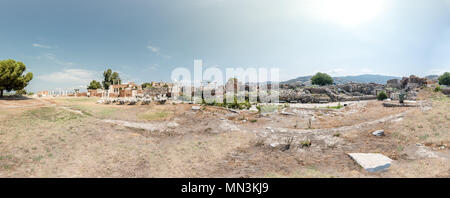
(68, 137)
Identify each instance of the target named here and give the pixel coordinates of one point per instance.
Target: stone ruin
(138, 99)
(331, 93)
(301, 94)
(352, 91)
(409, 86)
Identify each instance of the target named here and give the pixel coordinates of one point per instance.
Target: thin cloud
(157, 51)
(53, 58)
(74, 76)
(41, 46)
(153, 67)
(153, 49)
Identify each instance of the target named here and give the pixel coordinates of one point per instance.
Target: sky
(66, 44)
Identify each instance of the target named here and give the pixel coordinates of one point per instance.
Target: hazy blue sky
(68, 43)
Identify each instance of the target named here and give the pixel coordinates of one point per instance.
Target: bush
(438, 89)
(321, 79)
(445, 79)
(382, 96)
(401, 97)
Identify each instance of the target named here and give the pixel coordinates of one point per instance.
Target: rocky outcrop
(333, 93)
(408, 85)
(413, 82)
(394, 83)
(157, 91)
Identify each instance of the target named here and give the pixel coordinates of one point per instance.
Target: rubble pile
(407, 85)
(332, 93)
(143, 100)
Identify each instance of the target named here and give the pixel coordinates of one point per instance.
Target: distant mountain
(432, 77)
(366, 78)
(301, 79)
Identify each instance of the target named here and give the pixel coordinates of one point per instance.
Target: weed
(309, 123)
(305, 143)
(288, 144)
(38, 158)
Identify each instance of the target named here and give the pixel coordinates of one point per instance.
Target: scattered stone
(287, 113)
(378, 133)
(371, 162)
(195, 108)
(275, 144)
(391, 104)
(253, 108)
(398, 120)
(172, 124)
(233, 110)
(270, 129)
(423, 152)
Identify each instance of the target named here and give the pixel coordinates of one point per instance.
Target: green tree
(11, 76)
(146, 85)
(110, 78)
(445, 79)
(116, 79)
(94, 85)
(382, 95)
(321, 79)
(21, 92)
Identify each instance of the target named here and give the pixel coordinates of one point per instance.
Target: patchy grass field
(75, 137)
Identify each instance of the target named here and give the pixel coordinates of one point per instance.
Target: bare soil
(75, 137)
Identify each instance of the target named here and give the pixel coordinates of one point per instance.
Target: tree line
(14, 78)
(111, 78)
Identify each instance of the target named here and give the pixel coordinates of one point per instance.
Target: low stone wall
(335, 93)
(157, 91)
(390, 104)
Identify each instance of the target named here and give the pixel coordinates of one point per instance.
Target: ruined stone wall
(334, 93)
(125, 93)
(154, 91)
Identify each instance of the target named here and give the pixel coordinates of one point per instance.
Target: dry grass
(50, 141)
(427, 127)
(153, 115)
(372, 111)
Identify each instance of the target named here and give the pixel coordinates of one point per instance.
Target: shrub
(445, 79)
(401, 97)
(321, 79)
(305, 143)
(438, 89)
(382, 96)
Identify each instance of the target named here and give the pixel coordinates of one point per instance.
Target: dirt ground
(75, 137)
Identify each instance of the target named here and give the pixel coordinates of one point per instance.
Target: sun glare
(347, 12)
